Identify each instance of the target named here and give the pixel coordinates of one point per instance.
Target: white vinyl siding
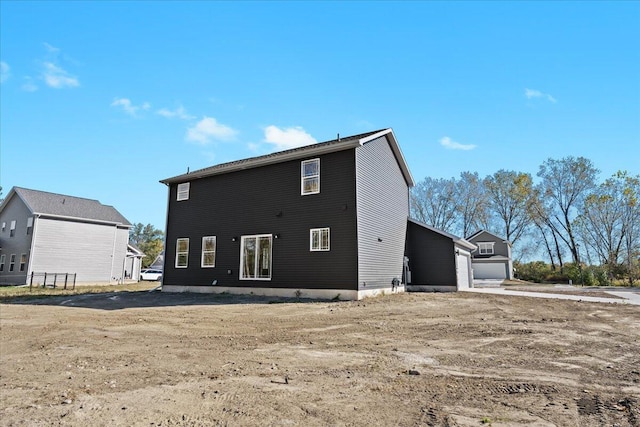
(208, 252)
(183, 191)
(255, 257)
(319, 239)
(182, 253)
(310, 177)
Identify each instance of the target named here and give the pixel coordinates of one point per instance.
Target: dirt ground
(463, 359)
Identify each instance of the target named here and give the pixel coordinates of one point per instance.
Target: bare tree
(433, 203)
(471, 202)
(565, 184)
(509, 196)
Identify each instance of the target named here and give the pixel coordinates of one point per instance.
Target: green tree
(149, 239)
(509, 196)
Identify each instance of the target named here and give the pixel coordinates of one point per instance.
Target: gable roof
(63, 206)
(458, 240)
(479, 232)
(334, 145)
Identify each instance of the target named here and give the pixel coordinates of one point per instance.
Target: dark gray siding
(20, 243)
(382, 200)
(499, 247)
(431, 257)
(267, 200)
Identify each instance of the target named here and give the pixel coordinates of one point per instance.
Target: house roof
(479, 232)
(63, 206)
(339, 144)
(457, 240)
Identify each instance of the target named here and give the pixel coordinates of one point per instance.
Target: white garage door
(489, 271)
(462, 270)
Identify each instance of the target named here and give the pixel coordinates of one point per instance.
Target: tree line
(568, 215)
(149, 240)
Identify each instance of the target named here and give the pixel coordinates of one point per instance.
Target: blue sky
(104, 99)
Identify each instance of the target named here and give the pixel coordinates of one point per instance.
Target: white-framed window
(485, 248)
(183, 191)
(29, 225)
(2, 260)
(182, 253)
(12, 262)
(208, 251)
(4, 225)
(310, 176)
(255, 257)
(23, 261)
(319, 239)
(12, 229)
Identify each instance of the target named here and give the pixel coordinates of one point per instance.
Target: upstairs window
(319, 239)
(208, 251)
(485, 248)
(12, 230)
(29, 225)
(4, 226)
(182, 253)
(310, 182)
(183, 191)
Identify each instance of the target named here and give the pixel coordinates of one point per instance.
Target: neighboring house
(438, 261)
(54, 233)
(327, 220)
(492, 259)
(133, 263)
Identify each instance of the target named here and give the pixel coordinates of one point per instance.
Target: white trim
(215, 248)
(488, 246)
(182, 192)
(177, 252)
(320, 248)
(303, 177)
(256, 236)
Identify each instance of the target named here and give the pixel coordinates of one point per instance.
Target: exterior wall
(20, 243)
(431, 259)
(499, 247)
(89, 250)
(267, 200)
(382, 196)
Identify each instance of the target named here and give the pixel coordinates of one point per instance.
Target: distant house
(54, 233)
(133, 263)
(439, 261)
(492, 259)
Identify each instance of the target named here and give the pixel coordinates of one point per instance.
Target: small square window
(320, 239)
(208, 251)
(183, 191)
(310, 182)
(485, 248)
(182, 253)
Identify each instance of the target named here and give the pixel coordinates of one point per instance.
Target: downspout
(166, 232)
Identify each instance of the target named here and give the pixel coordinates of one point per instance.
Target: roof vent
(338, 138)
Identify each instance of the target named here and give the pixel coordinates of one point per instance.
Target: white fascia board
(77, 219)
(395, 147)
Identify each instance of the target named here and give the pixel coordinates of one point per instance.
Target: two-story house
(45, 232)
(327, 220)
(492, 259)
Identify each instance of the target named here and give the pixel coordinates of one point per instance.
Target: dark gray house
(492, 259)
(53, 233)
(439, 261)
(321, 221)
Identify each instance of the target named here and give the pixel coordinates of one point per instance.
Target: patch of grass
(486, 421)
(10, 293)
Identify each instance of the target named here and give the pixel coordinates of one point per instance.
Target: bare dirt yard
(157, 359)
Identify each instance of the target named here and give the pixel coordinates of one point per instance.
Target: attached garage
(489, 270)
(437, 261)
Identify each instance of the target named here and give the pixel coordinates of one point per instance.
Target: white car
(150, 274)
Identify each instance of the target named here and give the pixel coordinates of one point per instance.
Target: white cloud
(5, 72)
(284, 139)
(450, 144)
(209, 129)
(29, 85)
(50, 49)
(128, 107)
(179, 112)
(57, 78)
(533, 93)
